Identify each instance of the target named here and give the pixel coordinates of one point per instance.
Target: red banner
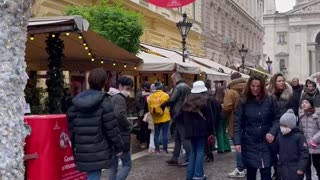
(49, 149)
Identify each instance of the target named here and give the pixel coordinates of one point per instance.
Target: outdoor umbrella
(170, 3)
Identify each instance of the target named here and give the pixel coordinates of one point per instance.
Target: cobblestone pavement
(153, 167)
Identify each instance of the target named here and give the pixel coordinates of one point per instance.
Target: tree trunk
(13, 35)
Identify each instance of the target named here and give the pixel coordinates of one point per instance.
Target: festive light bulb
(135, 67)
(86, 48)
(125, 66)
(200, 74)
(32, 37)
(80, 37)
(68, 34)
(89, 53)
(53, 35)
(92, 59)
(84, 44)
(114, 64)
(101, 62)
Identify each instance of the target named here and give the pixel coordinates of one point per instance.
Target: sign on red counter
(49, 139)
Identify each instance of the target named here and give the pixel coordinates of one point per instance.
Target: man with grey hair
(180, 92)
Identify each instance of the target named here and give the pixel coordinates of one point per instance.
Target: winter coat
(155, 101)
(310, 125)
(231, 99)
(253, 120)
(203, 123)
(293, 154)
(297, 91)
(120, 111)
(285, 99)
(179, 94)
(315, 97)
(94, 131)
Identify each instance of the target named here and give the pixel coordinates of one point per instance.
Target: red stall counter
(50, 147)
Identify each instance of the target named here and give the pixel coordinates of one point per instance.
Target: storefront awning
(156, 63)
(216, 66)
(75, 53)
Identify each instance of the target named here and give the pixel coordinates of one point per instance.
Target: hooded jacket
(155, 101)
(231, 99)
(118, 101)
(293, 154)
(94, 131)
(310, 125)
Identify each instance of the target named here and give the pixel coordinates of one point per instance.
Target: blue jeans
(124, 171)
(163, 128)
(94, 175)
(195, 167)
(240, 164)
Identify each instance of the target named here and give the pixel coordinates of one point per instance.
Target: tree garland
(55, 76)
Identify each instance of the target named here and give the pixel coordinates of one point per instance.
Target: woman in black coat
(255, 127)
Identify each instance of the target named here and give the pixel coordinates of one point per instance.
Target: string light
(135, 67)
(53, 35)
(92, 59)
(86, 48)
(125, 65)
(101, 62)
(67, 33)
(80, 37)
(84, 44)
(114, 64)
(32, 37)
(89, 53)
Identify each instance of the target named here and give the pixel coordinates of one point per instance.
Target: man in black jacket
(180, 92)
(93, 129)
(118, 99)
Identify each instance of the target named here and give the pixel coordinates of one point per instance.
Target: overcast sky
(284, 5)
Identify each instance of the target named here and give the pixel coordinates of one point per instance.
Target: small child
(292, 149)
(310, 125)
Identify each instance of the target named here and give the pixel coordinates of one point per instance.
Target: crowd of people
(273, 124)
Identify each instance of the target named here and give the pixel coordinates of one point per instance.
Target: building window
(211, 19)
(282, 38)
(282, 64)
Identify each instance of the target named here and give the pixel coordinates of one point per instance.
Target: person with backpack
(161, 117)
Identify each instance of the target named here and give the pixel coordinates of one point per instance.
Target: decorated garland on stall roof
(55, 76)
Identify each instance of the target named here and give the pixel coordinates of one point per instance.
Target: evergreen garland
(55, 77)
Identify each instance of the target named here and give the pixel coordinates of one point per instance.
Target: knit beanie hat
(289, 119)
(158, 85)
(310, 100)
(235, 75)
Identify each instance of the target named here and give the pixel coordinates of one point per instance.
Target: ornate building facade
(160, 23)
(292, 39)
(229, 24)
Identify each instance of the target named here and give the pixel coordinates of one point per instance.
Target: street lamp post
(243, 52)
(184, 27)
(269, 62)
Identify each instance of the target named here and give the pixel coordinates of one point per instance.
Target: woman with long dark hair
(199, 113)
(255, 127)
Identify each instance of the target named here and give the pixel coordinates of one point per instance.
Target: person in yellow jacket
(161, 117)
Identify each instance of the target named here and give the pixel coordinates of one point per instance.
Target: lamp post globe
(184, 27)
(243, 52)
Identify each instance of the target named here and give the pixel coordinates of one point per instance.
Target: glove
(312, 144)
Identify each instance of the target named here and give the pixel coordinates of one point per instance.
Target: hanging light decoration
(32, 37)
(125, 65)
(68, 34)
(114, 64)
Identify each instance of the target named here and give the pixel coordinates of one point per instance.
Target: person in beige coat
(230, 103)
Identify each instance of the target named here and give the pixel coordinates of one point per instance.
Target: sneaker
(172, 162)
(184, 164)
(236, 173)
